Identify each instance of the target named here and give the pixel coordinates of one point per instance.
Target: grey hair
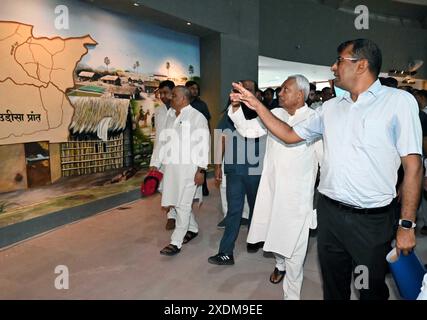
(302, 84)
(185, 91)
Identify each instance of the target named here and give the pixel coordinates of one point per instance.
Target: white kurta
(160, 118)
(284, 203)
(184, 145)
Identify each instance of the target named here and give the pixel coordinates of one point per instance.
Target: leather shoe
(277, 276)
(254, 247)
(190, 235)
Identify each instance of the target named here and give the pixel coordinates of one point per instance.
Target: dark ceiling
(411, 13)
(413, 10)
(147, 14)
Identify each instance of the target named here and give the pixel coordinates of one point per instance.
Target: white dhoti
(292, 282)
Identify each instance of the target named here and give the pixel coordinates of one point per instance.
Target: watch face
(406, 224)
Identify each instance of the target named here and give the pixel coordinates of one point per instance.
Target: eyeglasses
(341, 59)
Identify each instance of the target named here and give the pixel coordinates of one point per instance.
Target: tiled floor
(115, 255)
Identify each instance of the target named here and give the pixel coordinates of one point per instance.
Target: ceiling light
(136, 4)
(188, 23)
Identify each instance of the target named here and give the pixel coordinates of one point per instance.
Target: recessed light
(188, 23)
(136, 4)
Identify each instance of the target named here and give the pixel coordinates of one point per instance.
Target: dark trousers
(347, 240)
(205, 185)
(237, 187)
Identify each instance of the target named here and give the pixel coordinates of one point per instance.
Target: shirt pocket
(375, 134)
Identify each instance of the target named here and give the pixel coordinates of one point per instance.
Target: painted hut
(86, 76)
(100, 136)
(126, 92)
(151, 86)
(115, 80)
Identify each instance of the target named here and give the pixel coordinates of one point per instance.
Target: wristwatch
(407, 224)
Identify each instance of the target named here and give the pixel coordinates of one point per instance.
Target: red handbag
(151, 183)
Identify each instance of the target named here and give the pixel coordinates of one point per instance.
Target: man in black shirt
(269, 101)
(202, 107)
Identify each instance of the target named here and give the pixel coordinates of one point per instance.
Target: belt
(356, 210)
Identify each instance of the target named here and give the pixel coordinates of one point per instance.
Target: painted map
(34, 76)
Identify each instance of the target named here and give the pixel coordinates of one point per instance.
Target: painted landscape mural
(78, 90)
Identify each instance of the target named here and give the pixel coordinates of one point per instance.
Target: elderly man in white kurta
(283, 212)
(184, 155)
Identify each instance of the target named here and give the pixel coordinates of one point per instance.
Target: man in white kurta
(283, 212)
(165, 94)
(160, 115)
(184, 155)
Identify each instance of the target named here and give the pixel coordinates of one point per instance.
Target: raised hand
(240, 94)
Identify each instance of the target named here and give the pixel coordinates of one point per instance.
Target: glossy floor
(115, 255)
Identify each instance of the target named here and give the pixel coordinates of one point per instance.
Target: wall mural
(35, 74)
(78, 89)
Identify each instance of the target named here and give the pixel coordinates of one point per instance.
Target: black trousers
(347, 240)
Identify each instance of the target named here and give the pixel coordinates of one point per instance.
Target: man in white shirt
(283, 212)
(165, 94)
(184, 155)
(366, 133)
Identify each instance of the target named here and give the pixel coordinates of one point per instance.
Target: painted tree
(191, 70)
(168, 66)
(107, 62)
(137, 65)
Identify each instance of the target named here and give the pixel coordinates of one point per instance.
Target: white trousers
(292, 282)
(172, 213)
(223, 194)
(185, 220)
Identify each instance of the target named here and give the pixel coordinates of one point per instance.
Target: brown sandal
(190, 235)
(277, 276)
(170, 250)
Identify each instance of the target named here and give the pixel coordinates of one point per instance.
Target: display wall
(74, 77)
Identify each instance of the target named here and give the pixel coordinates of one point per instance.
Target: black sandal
(277, 276)
(190, 235)
(170, 250)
